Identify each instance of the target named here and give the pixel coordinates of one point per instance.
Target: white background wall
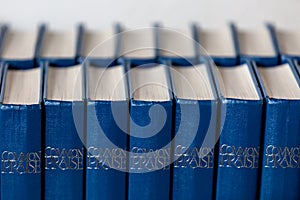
(138, 13)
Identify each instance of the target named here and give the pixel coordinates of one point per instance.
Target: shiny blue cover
(297, 67)
(20, 132)
(64, 151)
(102, 181)
(192, 180)
(223, 61)
(154, 184)
(237, 175)
(263, 60)
(280, 177)
(21, 63)
(280, 169)
(1, 72)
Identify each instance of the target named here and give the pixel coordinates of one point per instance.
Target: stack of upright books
(151, 113)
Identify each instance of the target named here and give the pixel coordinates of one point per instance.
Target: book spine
(297, 66)
(193, 167)
(106, 142)
(280, 164)
(239, 146)
(20, 132)
(149, 174)
(64, 151)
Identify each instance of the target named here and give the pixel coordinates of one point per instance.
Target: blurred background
(136, 13)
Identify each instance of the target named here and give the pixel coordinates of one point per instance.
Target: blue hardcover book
(241, 114)
(150, 133)
(100, 47)
(280, 169)
(137, 46)
(3, 29)
(64, 133)
(195, 132)
(259, 45)
(18, 48)
(297, 65)
(177, 45)
(20, 132)
(1, 72)
(60, 48)
(288, 42)
(107, 129)
(220, 45)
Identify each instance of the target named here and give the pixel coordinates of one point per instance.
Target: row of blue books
(150, 114)
(226, 46)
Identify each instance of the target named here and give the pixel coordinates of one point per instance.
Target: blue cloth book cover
(280, 169)
(195, 132)
(241, 114)
(64, 133)
(150, 133)
(20, 130)
(297, 65)
(107, 132)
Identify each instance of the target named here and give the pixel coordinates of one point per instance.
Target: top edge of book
(22, 87)
(256, 42)
(138, 43)
(280, 82)
(192, 83)
(176, 43)
(19, 44)
(107, 84)
(64, 83)
(150, 83)
(99, 43)
(237, 82)
(59, 44)
(289, 41)
(217, 42)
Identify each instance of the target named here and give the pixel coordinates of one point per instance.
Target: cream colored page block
(217, 42)
(289, 41)
(256, 42)
(150, 83)
(19, 44)
(237, 83)
(138, 43)
(22, 87)
(99, 44)
(192, 83)
(176, 43)
(65, 83)
(59, 44)
(108, 84)
(280, 82)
